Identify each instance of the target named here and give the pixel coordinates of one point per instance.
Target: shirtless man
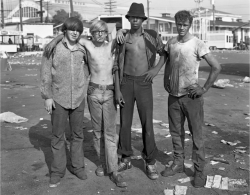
(101, 99)
(137, 68)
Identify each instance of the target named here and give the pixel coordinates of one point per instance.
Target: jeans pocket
(91, 89)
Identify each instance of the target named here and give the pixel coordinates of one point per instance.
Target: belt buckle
(103, 87)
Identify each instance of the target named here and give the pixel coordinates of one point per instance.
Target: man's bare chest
(136, 44)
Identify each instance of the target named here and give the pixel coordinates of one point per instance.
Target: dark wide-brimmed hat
(136, 10)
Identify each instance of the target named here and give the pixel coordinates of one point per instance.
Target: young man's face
(182, 27)
(135, 22)
(99, 35)
(72, 35)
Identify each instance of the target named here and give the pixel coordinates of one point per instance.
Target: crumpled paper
(11, 117)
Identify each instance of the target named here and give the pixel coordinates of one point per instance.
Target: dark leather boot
(172, 170)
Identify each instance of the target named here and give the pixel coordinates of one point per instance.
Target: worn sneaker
(152, 172)
(100, 171)
(118, 180)
(124, 165)
(54, 181)
(199, 179)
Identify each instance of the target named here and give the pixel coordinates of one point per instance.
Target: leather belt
(102, 87)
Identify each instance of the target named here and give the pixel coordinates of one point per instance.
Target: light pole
(198, 3)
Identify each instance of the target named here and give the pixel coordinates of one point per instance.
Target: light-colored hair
(98, 25)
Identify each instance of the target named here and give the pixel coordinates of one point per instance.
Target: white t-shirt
(183, 64)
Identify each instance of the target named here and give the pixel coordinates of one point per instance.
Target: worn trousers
(102, 109)
(180, 109)
(134, 89)
(59, 123)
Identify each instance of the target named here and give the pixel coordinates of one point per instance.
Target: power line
(110, 6)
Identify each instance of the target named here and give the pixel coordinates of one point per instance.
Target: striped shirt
(64, 75)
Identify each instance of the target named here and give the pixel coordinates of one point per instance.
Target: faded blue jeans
(102, 109)
(179, 109)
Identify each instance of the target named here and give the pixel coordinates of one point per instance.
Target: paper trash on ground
(168, 192)
(11, 117)
(184, 180)
(180, 190)
(156, 121)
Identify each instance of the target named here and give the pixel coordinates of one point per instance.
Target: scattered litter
(210, 124)
(221, 160)
(90, 130)
(209, 182)
(248, 114)
(156, 121)
(247, 117)
(139, 130)
(222, 168)
(215, 132)
(239, 151)
(230, 143)
(136, 157)
(21, 128)
(217, 181)
(180, 190)
(225, 104)
(168, 192)
(222, 83)
(224, 183)
(186, 139)
(165, 125)
(11, 117)
(32, 95)
(23, 105)
(45, 127)
(30, 75)
(168, 153)
(188, 165)
(244, 168)
(208, 155)
(234, 184)
(246, 80)
(241, 147)
(184, 180)
(213, 162)
(223, 95)
(112, 189)
(25, 172)
(188, 132)
(168, 135)
(41, 119)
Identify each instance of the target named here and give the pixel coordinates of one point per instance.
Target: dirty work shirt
(182, 66)
(64, 75)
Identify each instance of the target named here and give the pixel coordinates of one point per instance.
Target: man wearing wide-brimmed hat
(136, 60)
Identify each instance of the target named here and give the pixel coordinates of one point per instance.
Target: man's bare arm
(214, 72)
(154, 71)
(120, 37)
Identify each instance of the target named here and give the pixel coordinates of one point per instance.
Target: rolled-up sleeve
(115, 53)
(159, 45)
(46, 78)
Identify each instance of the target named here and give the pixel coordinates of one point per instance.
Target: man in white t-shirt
(186, 96)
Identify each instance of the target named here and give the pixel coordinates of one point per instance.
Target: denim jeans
(179, 109)
(134, 89)
(59, 123)
(102, 109)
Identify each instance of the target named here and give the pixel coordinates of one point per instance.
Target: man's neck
(183, 39)
(136, 32)
(70, 44)
(98, 44)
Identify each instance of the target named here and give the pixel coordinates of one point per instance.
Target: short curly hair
(73, 24)
(183, 15)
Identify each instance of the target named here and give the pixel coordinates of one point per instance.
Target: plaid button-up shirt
(64, 75)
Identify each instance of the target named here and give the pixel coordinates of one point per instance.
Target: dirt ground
(26, 155)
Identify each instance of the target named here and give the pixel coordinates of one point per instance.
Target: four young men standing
(134, 69)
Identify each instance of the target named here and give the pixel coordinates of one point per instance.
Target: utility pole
(200, 25)
(148, 26)
(110, 6)
(2, 14)
(71, 8)
(41, 11)
(21, 22)
(213, 16)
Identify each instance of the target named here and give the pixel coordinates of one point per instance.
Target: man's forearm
(117, 82)
(161, 62)
(212, 77)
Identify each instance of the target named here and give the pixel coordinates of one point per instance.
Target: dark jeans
(180, 108)
(133, 88)
(59, 123)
